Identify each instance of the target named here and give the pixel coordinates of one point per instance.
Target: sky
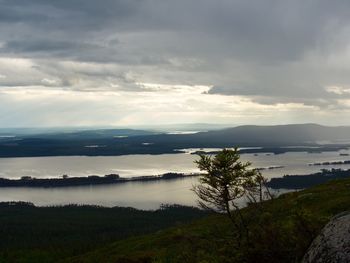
(144, 62)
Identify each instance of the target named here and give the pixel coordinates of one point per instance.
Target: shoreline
(95, 152)
(295, 182)
(65, 181)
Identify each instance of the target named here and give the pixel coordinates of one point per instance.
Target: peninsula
(65, 181)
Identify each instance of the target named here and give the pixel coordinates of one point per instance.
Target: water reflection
(143, 195)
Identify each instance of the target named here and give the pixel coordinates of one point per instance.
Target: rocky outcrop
(333, 244)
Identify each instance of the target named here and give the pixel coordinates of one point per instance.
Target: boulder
(333, 244)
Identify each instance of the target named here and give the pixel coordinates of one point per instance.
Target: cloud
(57, 107)
(271, 53)
(337, 90)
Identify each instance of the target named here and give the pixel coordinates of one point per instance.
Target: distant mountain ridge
(74, 132)
(113, 142)
(281, 134)
(254, 135)
(97, 134)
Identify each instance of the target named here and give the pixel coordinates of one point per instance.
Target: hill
(292, 134)
(282, 233)
(251, 135)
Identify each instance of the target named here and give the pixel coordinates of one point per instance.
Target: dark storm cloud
(44, 46)
(249, 30)
(9, 13)
(271, 51)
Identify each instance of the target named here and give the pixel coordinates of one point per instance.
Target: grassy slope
(280, 233)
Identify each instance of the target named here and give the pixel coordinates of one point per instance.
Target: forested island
(330, 163)
(285, 182)
(66, 181)
(306, 181)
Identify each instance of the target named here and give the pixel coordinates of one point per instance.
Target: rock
(333, 244)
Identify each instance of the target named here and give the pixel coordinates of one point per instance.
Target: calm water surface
(143, 195)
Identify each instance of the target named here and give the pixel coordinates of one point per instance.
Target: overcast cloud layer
(131, 62)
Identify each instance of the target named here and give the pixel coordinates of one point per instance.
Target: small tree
(227, 180)
(257, 190)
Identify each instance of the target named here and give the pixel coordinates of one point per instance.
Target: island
(66, 181)
(271, 168)
(331, 163)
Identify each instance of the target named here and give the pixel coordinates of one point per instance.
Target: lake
(142, 195)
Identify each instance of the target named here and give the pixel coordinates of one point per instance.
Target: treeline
(306, 181)
(65, 181)
(330, 163)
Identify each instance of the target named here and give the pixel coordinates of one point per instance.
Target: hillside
(282, 233)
